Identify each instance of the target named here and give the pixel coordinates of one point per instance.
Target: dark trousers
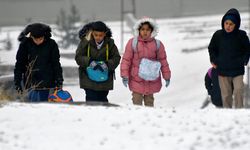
(38, 95)
(97, 96)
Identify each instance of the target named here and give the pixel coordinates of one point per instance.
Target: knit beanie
(99, 26)
(231, 17)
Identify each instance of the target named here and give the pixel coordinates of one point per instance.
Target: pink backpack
(209, 72)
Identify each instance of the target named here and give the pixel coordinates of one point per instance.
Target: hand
(214, 65)
(19, 88)
(167, 82)
(93, 64)
(125, 81)
(99, 67)
(104, 65)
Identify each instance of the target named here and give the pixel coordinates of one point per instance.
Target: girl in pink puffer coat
(143, 90)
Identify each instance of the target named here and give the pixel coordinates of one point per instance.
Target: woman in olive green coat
(96, 46)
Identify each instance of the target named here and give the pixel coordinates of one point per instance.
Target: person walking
(97, 57)
(37, 68)
(141, 52)
(229, 51)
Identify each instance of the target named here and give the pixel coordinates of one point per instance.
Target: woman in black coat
(37, 67)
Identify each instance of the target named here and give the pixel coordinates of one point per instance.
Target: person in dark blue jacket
(212, 86)
(37, 68)
(229, 51)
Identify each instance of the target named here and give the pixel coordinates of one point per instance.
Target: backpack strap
(158, 44)
(107, 51)
(88, 51)
(135, 42)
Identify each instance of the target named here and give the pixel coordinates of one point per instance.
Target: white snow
(54, 127)
(175, 123)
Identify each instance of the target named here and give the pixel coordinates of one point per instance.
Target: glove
(167, 82)
(59, 83)
(104, 65)
(93, 64)
(125, 81)
(99, 67)
(18, 87)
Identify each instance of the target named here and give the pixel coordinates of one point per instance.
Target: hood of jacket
(234, 12)
(146, 19)
(87, 28)
(43, 29)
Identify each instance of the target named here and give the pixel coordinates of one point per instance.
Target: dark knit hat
(99, 26)
(231, 17)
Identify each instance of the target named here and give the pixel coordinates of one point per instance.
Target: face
(98, 36)
(229, 26)
(38, 41)
(145, 31)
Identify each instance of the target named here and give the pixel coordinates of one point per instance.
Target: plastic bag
(97, 75)
(149, 70)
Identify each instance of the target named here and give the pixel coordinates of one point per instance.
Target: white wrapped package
(149, 70)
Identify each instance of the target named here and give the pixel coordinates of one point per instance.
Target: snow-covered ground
(176, 122)
(64, 127)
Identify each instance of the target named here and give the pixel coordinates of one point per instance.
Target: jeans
(38, 95)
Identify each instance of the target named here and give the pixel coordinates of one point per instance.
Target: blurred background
(20, 12)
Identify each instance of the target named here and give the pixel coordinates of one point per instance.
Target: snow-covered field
(176, 122)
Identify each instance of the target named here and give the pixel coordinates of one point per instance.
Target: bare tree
(28, 82)
(67, 27)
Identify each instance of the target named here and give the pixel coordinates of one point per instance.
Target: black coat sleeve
(56, 65)
(213, 48)
(21, 62)
(81, 59)
(246, 46)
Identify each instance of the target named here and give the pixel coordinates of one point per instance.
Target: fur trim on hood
(87, 28)
(146, 19)
(37, 29)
